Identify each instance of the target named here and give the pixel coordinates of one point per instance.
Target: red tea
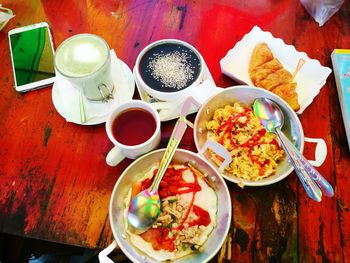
(133, 126)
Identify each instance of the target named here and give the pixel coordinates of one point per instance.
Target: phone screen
(33, 57)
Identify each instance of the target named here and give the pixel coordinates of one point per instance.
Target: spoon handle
(175, 138)
(81, 107)
(322, 183)
(310, 187)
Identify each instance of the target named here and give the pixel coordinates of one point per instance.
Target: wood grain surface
(55, 185)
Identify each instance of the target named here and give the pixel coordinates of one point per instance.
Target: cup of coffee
(134, 129)
(169, 68)
(84, 60)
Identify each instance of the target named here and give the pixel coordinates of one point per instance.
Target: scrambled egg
(255, 152)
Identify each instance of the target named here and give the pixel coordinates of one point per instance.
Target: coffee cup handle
(105, 92)
(114, 156)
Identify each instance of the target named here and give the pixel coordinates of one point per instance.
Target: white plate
(310, 79)
(127, 93)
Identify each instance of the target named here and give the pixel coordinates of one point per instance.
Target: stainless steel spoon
(144, 209)
(272, 118)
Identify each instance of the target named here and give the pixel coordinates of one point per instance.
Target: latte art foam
(81, 55)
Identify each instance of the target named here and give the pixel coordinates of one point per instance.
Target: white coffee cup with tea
(134, 129)
(84, 60)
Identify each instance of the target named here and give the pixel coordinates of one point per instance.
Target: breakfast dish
(188, 213)
(267, 72)
(255, 152)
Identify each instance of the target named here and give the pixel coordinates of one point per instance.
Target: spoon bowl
(143, 210)
(270, 115)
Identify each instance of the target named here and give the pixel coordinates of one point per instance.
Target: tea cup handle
(114, 156)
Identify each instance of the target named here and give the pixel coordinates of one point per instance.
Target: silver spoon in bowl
(272, 118)
(144, 208)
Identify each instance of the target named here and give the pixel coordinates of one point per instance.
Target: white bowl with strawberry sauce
(137, 171)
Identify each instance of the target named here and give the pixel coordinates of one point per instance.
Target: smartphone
(32, 56)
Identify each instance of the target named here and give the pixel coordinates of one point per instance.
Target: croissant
(267, 72)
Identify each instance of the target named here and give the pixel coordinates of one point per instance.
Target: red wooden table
(56, 186)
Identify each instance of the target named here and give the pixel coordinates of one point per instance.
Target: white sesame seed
(173, 70)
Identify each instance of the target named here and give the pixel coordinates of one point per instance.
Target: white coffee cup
(121, 151)
(173, 95)
(84, 60)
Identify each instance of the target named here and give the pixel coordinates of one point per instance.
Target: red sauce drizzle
(230, 124)
(159, 238)
(230, 127)
(203, 217)
(171, 185)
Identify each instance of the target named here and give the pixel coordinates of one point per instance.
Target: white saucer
(122, 93)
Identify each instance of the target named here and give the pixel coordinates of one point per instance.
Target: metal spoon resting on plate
(144, 208)
(272, 118)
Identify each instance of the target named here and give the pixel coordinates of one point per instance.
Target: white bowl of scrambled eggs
(256, 157)
(203, 232)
